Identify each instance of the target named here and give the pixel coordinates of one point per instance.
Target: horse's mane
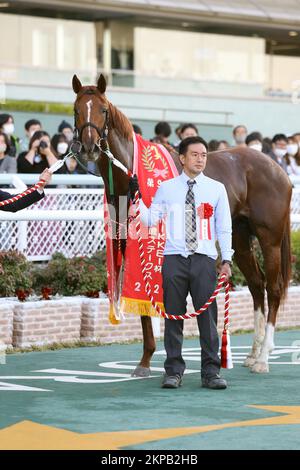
(119, 122)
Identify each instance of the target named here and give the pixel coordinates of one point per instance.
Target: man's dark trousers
(197, 275)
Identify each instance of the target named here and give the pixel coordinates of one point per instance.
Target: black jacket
(22, 203)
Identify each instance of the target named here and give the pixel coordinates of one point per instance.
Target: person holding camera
(40, 155)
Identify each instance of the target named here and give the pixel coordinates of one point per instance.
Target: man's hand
(225, 269)
(134, 187)
(46, 176)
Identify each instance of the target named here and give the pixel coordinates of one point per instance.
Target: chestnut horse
(259, 194)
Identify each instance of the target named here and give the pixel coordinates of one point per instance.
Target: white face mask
(292, 149)
(256, 147)
(280, 153)
(9, 129)
(62, 147)
(3, 148)
(240, 139)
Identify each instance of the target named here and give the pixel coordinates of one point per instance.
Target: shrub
(75, 276)
(36, 106)
(16, 275)
(295, 240)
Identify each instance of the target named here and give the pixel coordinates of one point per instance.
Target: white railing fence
(68, 220)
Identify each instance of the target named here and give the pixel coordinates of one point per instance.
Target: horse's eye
(104, 111)
(76, 111)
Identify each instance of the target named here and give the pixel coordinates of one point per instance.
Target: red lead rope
(16, 198)
(226, 358)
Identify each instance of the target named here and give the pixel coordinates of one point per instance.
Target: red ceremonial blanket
(153, 165)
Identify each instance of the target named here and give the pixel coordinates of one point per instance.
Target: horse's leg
(246, 261)
(272, 263)
(143, 369)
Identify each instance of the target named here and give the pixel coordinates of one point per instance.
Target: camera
(43, 145)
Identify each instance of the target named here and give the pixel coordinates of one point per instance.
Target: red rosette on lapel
(205, 212)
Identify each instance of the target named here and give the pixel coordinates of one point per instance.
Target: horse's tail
(286, 261)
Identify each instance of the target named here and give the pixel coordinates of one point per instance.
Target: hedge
(87, 275)
(36, 106)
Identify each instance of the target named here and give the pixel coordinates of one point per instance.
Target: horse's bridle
(76, 145)
(102, 132)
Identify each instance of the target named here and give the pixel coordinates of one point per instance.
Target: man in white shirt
(197, 213)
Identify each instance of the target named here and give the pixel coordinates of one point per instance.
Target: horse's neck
(121, 148)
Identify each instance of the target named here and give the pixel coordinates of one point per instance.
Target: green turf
(142, 404)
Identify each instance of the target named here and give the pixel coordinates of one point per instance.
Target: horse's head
(91, 115)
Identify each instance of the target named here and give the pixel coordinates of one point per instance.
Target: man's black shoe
(171, 381)
(214, 382)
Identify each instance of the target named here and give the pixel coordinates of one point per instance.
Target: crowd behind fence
(70, 220)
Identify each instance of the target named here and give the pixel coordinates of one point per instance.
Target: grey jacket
(8, 165)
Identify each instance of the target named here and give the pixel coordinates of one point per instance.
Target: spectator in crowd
(279, 150)
(188, 130)
(239, 135)
(7, 163)
(213, 145)
(266, 145)
(7, 127)
(178, 132)
(293, 156)
(254, 141)
(31, 126)
(162, 133)
(297, 137)
(137, 129)
(39, 157)
(223, 145)
(60, 147)
(66, 129)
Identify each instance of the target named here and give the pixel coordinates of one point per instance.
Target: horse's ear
(101, 84)
(76, 83)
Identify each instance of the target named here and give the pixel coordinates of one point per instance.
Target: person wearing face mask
(60, 147)
(293, 156)
(31, 126)
(7, 127)
(239, 135)
(7, 163)
(40, 155)
(254, 141)
(66, 129)
(279, 150)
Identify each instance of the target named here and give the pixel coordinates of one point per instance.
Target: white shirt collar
(185, 178)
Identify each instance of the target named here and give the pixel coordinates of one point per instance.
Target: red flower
(46, 292)
(205, 210)
(22, 294)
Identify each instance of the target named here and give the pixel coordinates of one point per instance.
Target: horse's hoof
(260, 368)
(249, 361)
(141, 372)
